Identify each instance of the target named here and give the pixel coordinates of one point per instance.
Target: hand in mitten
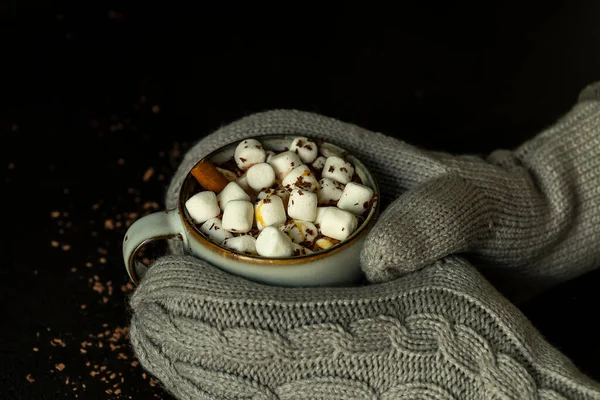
(529, 215)
(442, 332)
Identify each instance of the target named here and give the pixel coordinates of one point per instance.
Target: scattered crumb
(155, 109)
(66, 247)
(88, 264)
(54, 243)
(98, 287)
(55, 214)
(30, 378)
(60, 366)
(36, 349)
(102, 260)
(148, 174)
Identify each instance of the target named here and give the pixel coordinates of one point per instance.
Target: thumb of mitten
(443, 216)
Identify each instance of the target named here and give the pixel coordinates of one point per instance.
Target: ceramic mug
(335, 266)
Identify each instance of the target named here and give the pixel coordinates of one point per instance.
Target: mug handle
(157, 226)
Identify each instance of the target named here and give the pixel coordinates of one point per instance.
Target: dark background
(97, 106)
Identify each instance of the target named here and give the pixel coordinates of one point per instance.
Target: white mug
(335, 266)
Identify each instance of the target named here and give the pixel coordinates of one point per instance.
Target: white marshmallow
(301, 177)
(320, 213)
(282, 193)
(273, 243)
(302, 231)
(306, 149)
(203, 206)
(329, 191)
(245, 244)
(338, 224)
(248, 153)
(230, 176)
(270, 212)
(233, 191)
(284, 162)
(270, 154)
(243, 182)
(260, 176)
(355, 198)
(325, 242)
(337, 169)
(302, 205)
(238, 216)
(298, 250)
(213, 228)
(319, 163)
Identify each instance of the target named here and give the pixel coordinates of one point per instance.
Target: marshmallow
(338, 224)
(300, 177)
(260, 176)
(298, 250)
(284, 162)
(232, 191)
(248, 153)
(238, 216)
(337, 169)
(230, 176)
(242, 244)
(214, 230)
(306, 149)
(302, 205)
(282, 193)
(325, 242)
(243, 182)
(320, 212)
(319, 163)
(329, 191)
(270, 212)
(203, 206)
(272, 243)
(302, 231)
(270, 154)
(355, 198)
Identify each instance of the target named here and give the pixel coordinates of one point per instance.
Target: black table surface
(98, 105)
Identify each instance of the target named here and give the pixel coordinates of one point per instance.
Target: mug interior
(278, 143)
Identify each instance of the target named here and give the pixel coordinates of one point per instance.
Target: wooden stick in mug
(209, 177)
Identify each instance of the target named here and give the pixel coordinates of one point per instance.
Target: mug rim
(264, 261)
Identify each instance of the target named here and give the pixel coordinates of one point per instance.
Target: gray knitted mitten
(442, 332)
(531, 215)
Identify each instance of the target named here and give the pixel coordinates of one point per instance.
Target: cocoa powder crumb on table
(148, 174)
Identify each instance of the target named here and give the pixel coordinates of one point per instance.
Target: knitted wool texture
(531, 216)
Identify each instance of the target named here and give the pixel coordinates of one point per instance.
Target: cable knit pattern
(441, 333)
(530, 216)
